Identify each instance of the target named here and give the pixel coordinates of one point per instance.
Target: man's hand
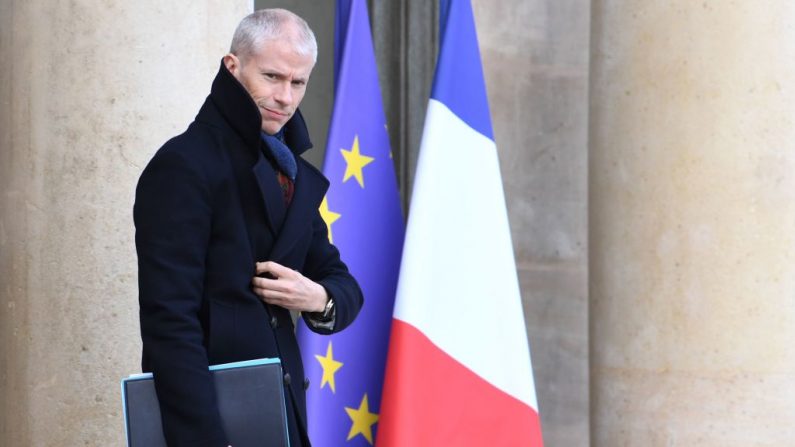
(278, 285)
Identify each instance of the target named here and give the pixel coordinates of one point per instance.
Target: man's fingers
(276, 269)
(279, 285)
(270, 296)
(264, 267)
(265, 283)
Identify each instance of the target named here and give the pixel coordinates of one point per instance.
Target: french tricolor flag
(458, 371)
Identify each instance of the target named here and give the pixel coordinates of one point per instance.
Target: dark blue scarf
(281, 154)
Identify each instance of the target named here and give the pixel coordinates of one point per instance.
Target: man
(230, 239)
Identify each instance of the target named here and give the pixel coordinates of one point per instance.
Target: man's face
(275, 76)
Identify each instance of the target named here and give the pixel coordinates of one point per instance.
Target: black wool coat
(207, 207)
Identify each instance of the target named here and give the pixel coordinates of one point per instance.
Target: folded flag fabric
(458, 370)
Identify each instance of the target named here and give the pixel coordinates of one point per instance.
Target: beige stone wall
(692, 187)
(88, 91)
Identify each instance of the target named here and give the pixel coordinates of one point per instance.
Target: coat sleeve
(324, 266)
(172, 215)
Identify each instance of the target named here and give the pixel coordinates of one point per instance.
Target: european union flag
(362, 211)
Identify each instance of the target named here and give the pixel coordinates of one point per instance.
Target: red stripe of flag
(437, 401)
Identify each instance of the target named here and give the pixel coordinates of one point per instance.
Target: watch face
(329, 308)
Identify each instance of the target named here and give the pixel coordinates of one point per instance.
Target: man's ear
(232, 63)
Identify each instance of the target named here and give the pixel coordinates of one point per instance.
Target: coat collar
(241, 113)
(288, 225)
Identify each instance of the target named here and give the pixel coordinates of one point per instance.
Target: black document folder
(250, 399)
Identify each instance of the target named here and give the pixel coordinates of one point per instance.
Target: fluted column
(88, 91)
(692, 223)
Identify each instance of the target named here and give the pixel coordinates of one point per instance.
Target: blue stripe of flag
(459, 82)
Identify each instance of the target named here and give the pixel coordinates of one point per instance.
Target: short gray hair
(268, 24)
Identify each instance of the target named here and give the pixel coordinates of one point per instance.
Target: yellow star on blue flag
(362, 421)
(355, 162)
(330, 366)
(328, 216)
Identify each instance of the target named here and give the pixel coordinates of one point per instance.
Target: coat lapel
(271, 192)
(310, 187)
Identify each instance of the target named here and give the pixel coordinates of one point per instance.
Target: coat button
(274, 322)
(306, 383)
(287, 379)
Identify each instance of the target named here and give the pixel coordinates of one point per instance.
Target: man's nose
(284, 93)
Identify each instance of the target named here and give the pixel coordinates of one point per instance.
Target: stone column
(88, 91)
(692, 223)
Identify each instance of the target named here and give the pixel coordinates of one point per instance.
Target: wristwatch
(328, 312)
